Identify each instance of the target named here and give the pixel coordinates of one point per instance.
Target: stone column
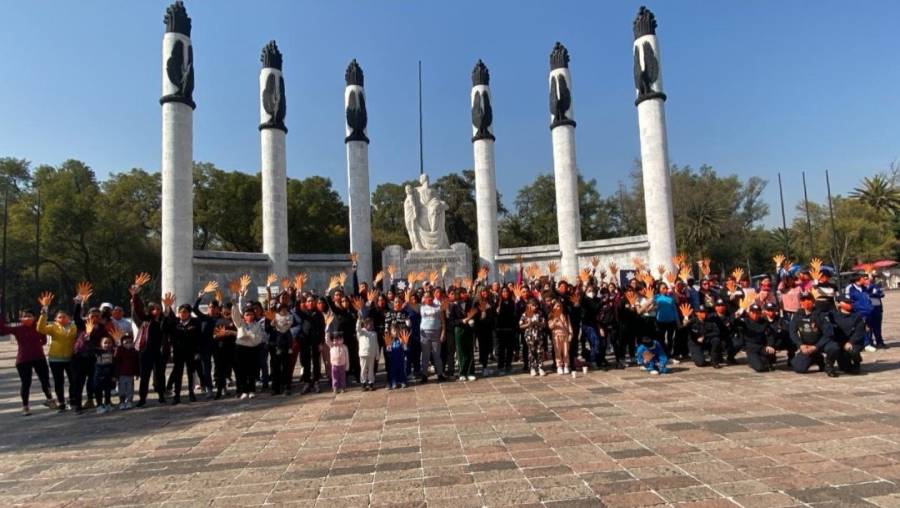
(654, 146)
(565, 170)
(177, 155)
(272, 131)
(485, 173)
(357, 143)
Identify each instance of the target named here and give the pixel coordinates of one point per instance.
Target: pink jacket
(338, 354)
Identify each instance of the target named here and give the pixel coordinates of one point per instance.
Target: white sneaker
(533, 372)
(461, 379)
(559, 370)
(243, 396)
(252, 395)
(565, 370)
(676, 361)
(871, 349)
(471, 378)
(654, 372)
(541, 372)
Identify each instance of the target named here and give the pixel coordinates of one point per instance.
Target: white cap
(105, 306)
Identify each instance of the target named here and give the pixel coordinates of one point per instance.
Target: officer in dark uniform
(730, 343)
(704, 336)
(849, 334)
(778, 333)
(813, 334)
(751, 329)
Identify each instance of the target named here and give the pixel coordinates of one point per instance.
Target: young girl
(561, 331)
(103, 375)
(126, 368)
(532, 326)
(395, 347)
(338, 355)
(368, 348)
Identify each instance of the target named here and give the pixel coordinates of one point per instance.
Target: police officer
(703, 329)
(751, 328)
(778, 333)
(730, 343)
(849, 334)
(813, 334)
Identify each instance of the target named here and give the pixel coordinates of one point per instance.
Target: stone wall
(225, 266)
(621, 250)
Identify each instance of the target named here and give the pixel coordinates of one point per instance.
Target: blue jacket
(665, 309)
(862, 303)
(659, 357)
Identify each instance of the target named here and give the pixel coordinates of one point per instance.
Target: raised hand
(738, 273)
(684, 274)
(357, 303)
(45, 299)
(704, 266)
(779, 260)
(584, 275)
(661, 269)
(210, 287)
(503, 268)
(285, 283)
(575, 298)
(638, 263)
(670, 278)
(686, 309)
(168, 300)
(613, 268)
(595, 261)
(139, 281)
(443, 270)
(646, 278)
(234, 286)
(244, 283)
(218, 296)
(299, 280)
(411, 278)
(648, 293)
(747, 301)
(404, 336)
(354, 257)
(84, 290)
(342, 278)
(631, 299)
(551, 267)
(679, 260)
(432, 277)
(333, 282)
(869, 268)
(391, 270)
(271, 279)
(116, 334)
(483, 273)
(378, 278)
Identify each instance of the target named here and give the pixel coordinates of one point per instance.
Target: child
(126, 368)
(395, 348)
(368, 350)
(103, 375)
(339, 355)
(652, 356)
(561, 332)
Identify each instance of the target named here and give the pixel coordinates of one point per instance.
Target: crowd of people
(421, 330)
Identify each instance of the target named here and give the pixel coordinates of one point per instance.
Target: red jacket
(31, 343)
(126, 362)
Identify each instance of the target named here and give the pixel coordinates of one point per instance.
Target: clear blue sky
(754, 87)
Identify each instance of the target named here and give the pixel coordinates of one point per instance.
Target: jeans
(431, 348)
(60, 371)
(40, 368)
(126, 389)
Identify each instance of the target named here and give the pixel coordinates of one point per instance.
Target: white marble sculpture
(423, 212)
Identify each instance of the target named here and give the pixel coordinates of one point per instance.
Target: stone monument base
(458, 259)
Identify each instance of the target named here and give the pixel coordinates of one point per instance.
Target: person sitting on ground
(849, 334)
(703, 335)
(813, 335)
(651, 355)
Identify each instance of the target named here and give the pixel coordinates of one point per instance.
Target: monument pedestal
(458, 259)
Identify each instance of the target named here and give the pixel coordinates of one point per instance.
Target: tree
(388, 224)
(880, 193)
(317, 218)
(227, 209)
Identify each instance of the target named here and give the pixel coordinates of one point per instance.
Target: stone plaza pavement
(697, 437)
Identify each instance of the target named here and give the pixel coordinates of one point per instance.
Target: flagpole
(812, 246)
(787, 250)
(421, 152)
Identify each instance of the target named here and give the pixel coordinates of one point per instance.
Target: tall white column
(177, 155)
(485, 172)
(650, 104)
(565, 170)
(272, 132)
(357, 142)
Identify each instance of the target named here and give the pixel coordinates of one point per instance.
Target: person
(151, 343)
(730, 344)
(224, 337)
(414, 318)
(62, 334)
(280, 340)
(185, 333)
(250, 334)
(651, 355)
(826, 291)
(703, 335)
(339, 356)
(849, 334)
(860, 298)
(368, 344)
(506, 330)
(29, 356)
(484, 330)
(873, 322)
(461, 320)
(310, 334)
(104, 370)
(666, 319)
(532, 324)
(813, 335)
(126, 367)
(206, 345)
(561, 331)
(395, 346)
(432, 334)
(758, 345)
(778, 332)
(789, 292)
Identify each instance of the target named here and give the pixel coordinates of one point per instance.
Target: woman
(561, 331)
(29, 356)
(532, 325)
(666, 319)
(62, 333)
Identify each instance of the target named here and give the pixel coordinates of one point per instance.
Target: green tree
(227, 209)
(880, 193)
(317, 218)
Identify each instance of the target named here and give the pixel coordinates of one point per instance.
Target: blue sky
(754, 87)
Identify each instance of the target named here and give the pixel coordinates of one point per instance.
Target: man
(778, 333)
(208, 323)
(310, 335)
(849, 334)
(730, 343)
(151, 344)
(460, 320)
(185, 332)
(703, 335)
(752, 329)
(860, 298)
(813, 335)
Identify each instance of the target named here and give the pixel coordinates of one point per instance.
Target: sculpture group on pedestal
(424, 212)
